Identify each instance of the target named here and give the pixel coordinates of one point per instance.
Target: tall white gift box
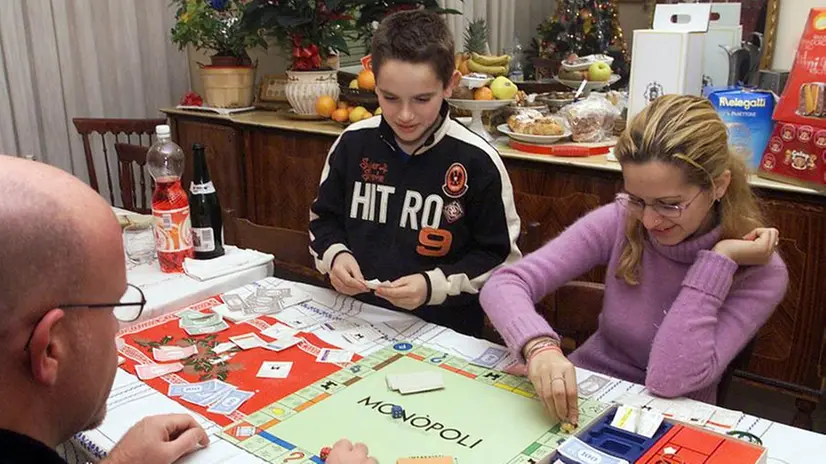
(724, 30)
(668, 59)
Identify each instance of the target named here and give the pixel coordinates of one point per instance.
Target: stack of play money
(198, 323)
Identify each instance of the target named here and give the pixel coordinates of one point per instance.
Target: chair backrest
(129, 155)
(291, 248)
(125, 130)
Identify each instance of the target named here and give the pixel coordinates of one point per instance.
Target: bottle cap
(162, 130)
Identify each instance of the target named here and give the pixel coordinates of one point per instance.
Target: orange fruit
(367, 80)
(483, 93)
(340, 115)
(325, 105)
(342, 104)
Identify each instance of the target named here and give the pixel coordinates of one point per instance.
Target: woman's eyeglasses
(637, 206)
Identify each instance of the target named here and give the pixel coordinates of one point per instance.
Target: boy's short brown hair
(417, 36)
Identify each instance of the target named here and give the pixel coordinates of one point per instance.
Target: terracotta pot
(304, 87)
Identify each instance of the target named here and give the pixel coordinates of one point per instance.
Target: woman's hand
(754, 249)
(554, 378)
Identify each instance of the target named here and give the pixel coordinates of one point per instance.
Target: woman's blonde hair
(686, 132)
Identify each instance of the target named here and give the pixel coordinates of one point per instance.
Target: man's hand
(345, 452)
(408, 292)
(346, 275)
(159, 440)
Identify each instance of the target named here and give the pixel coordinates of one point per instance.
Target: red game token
(325, 452)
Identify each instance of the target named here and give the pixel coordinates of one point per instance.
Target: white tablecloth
(134, 399)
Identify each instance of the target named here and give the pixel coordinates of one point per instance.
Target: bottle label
(201, 189)
(203, 239)
(173, 230)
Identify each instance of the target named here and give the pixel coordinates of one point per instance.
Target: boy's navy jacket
(445, 211)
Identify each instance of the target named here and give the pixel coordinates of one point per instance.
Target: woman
(692, 273)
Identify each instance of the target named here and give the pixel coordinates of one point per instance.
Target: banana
(490, 60)
(481, 68)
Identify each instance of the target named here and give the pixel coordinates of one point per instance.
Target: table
(169, 292)
(132, 399)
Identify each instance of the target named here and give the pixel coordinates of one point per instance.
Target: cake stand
(589, 85)
(476, 107)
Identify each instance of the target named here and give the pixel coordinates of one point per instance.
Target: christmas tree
(583, 27)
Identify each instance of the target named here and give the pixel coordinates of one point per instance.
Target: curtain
(82, 58)
(499, 15)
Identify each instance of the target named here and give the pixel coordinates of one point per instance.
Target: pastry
(531, 122)
(812, 99)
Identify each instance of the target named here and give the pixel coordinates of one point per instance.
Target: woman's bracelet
(544, 345)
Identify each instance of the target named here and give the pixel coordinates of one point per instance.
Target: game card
(151, 371)
(283, 343)
(247, 341)
(274, 370)
(334, 356)
(279, 330)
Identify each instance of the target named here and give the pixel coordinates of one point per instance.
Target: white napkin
(234, 260)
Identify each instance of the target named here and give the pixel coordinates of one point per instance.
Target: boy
(413, 199)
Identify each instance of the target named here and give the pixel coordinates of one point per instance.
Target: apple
(503, 88)
(599, 71)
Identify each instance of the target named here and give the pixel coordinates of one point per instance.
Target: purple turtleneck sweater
(675, 332)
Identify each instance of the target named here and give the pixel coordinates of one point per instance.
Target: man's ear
(47, 348)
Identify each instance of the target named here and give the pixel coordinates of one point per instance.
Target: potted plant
(219, 26)
(311, 32)
(370, 13)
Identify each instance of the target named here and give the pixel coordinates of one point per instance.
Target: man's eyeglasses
(637, 206)
(128, 309)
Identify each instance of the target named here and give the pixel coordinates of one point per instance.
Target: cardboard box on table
(796, 152)
(691, 444)
(668, 59)
(724, 30)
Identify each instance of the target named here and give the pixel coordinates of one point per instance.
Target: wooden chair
(129, 155)
(125, 130)
(291, 248)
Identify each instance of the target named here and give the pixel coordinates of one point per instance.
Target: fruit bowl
(358, 97)
(590, 85)
(476, 107)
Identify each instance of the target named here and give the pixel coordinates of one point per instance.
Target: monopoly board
(291, 419)
(464, 420)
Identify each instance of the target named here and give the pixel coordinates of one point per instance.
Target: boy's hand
(346, 275)
(408, 292)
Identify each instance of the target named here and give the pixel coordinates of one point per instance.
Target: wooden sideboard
(266, 167)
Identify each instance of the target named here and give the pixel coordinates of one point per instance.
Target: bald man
(61, 264)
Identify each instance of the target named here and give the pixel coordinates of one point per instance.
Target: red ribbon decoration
(305, 58)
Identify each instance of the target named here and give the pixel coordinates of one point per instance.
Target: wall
(793, 14)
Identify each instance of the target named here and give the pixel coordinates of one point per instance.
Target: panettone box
(804, 99)
(668, 59)
(796, 152)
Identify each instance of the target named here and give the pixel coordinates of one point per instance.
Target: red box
(804, 99)
(796, 152)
